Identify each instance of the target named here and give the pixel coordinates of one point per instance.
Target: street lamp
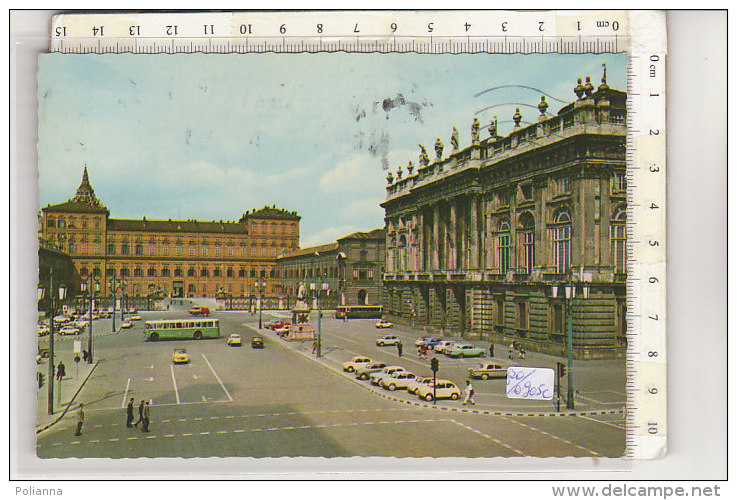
(318, 288)
(114, 285)
(52, 313)
(260, 285)
(88, 288)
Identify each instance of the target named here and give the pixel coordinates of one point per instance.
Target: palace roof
(176, 226)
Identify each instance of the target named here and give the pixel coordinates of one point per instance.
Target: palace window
(96, 271)
(216, 272)
(557, 319)
(51, 223)
(151, 248)
(62, 223)
(217, 250)
(563, 185)
(84, 223)
(178, 272)
(525, 191)
(522, 315)
(151, 272)
(138, 272)
(562, 242)
(499, 312)
(620, 182)
(370, 274)
(192, 249)
(124, 249)
(97, 223)
(230, 272)
(110, 271)
(527, 240)
(618, 232)
(230, 250)
(191, 272)
(179, 249)
(139, 249)
(503, 246)
(204, 250)
(241, 272)
(253, 273)
(84, 247)
(111, 248)
(124, 271)
(97, 247)
(204, 272)
(72, 248)
(165, 272)
(83, 271)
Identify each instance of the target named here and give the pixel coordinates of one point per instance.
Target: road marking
(204, 433)
(182, 419)
(95, 441)
(509, 447)
(113, 439)
(167, 420)
(131, 438)
(601, 402)
(174, 381)
(168, 435)
(75, 442)
(150, 437)
(186, 434)
(553, 436)
(149, 379)
(239, 430)
(125, 396)
(601, 422)
(217, 377)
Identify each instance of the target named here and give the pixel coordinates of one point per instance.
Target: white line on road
(217, 377)
(125, 396)
(601, 422)
(174, 380)
(489, 437)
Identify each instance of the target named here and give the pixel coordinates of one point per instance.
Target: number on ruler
(172, 30)
(393, 27)
(134, 30)
(60, 31)
(245, 29)
(652, 427)
(97, 31)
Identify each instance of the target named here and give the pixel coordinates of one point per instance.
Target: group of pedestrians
(144, 415)
(516, 350)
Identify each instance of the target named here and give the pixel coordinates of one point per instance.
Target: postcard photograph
(331, 255)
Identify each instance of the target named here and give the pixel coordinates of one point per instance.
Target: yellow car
(181, 356)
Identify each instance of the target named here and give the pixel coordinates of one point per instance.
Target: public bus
(182, 329)
(354, 312)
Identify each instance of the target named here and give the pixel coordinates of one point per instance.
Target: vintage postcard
(332, 255)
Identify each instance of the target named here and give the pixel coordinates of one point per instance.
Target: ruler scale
(641, 35)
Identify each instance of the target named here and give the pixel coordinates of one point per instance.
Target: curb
(453, 408)
(64, 412)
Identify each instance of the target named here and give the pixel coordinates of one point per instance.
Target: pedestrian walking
(424, 351)
(140, 413)
(491, 350)
(129, 414)
(80, 420)
(61, 371)
(399, 348)
(511, 350)
(314, 346)
(469, 393)
(146, 417)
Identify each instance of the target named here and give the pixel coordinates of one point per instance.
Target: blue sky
(211, 136)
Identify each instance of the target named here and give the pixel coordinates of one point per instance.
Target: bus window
(178, 325)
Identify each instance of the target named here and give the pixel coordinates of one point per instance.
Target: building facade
(174, 258)
(350, 269)
(482, 241)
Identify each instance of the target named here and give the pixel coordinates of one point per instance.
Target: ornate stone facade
(177, 258)
(480, 242)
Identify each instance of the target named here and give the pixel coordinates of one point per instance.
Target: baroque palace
(505, 238)
(174, 258)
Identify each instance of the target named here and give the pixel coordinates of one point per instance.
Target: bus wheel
(154, 337)
(197, 335)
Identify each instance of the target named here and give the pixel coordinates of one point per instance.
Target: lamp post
(318, 287)
(122, 299)
(260, 285)
(91, 292)
(52, 313)
(114, 284)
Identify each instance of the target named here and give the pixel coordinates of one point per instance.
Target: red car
(279, 324)
(199, 311)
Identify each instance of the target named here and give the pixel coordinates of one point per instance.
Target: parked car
(376, 377)
(270, 324)
(276, 325)
(397, 380)
(487, 370)
(365, 372)
(199, 311)
(235, 340)
(126, 324)
(443, 345)
(355, 363)
(69, 330)
(60, 319)
(443, 389)
(81, 324)
(384, 324)
(136, 317)
(105, 314)
(414, 385)
(429, 342)
(257, 342)
(282, 331)
(43, 330)
(180, 355)
(464, 351)
(387, 340)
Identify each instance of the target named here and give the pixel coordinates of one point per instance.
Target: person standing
(60, 371)
(491, 350)
(314, 346)
(146, 417)
(140, 413)
(80, 420)
(129, 414)
(399, 348)
(469, 393)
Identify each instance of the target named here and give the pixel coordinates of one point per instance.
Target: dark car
(257, 342)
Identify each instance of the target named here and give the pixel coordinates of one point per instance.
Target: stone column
(473, 234)
(421, 240)
(453, 240)
(435, 243)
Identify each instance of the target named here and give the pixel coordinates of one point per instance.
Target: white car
(414, 385)
(387, 340)
(69, 330)
(61, 319)
(397, 380)
(127, 324)
(81, 323)
(440, 346)
(356, 363)
(43, 330)
(235, 340)
(136, 317)
(282, 331)
(443, 389)
(387, 370)
(384, 324)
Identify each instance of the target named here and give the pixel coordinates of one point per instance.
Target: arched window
(618, 237)
(527, 241)
(562, 241)
(504, 245)
(402, 253)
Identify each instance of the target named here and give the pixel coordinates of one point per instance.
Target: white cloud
(362, 172)
(328, 235)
